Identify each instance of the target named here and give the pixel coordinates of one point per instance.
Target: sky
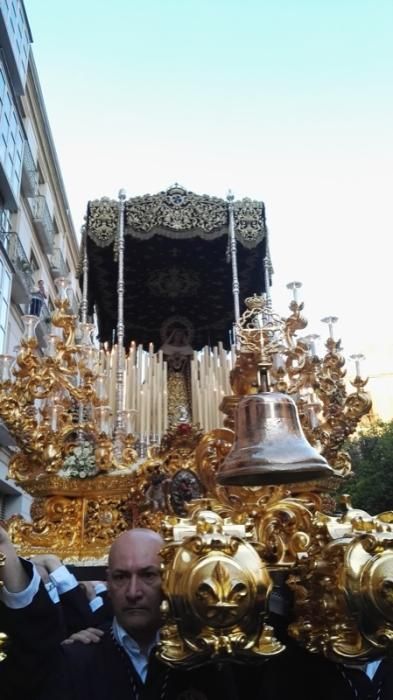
(285, 101)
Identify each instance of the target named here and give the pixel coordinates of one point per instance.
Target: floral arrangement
(80, 462)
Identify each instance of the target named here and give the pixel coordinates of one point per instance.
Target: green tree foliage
(371, 487)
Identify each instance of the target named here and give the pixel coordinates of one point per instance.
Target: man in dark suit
(122, 665)
(29, 620)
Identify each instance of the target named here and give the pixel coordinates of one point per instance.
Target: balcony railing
(57, 264)
(22, 282)
(43, 222)
(29, 172)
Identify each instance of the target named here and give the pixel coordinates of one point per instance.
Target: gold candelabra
(55, 405)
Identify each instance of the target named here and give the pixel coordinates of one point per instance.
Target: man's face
(134, 584)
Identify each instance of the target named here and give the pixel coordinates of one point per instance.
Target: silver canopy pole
(233, 249)
(267, 269)
(85, 273)
(120, 389)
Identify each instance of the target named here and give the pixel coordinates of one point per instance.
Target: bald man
(134, 586)
(122, 664)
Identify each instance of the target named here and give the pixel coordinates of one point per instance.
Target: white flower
(80, 462)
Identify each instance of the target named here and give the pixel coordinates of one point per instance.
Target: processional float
(202, 413)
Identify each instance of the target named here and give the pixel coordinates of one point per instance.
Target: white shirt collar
(132, 649)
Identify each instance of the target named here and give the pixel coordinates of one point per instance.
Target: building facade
(38, 242)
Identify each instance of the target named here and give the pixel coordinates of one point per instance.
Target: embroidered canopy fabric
(177, 265)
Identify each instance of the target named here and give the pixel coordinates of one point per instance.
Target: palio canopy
(177, 265)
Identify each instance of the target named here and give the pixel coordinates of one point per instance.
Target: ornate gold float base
(78, 519)
(74, 519)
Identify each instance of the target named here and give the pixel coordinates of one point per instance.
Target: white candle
(199, 401)
(159, 415)
(141, 416)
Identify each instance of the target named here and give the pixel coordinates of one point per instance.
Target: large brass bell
(270, 446)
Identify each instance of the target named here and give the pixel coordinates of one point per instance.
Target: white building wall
(15, 330)
(33, 127)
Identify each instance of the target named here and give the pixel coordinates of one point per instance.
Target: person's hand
(42, 572)
(50, 562)
(12, 573)
(89, 589)
(91, 635)
(96, 583)
(6, 546)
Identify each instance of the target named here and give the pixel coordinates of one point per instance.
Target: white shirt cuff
(63, 579)
(96, 603)
(100, 588)
(23, 598)
(52, 592)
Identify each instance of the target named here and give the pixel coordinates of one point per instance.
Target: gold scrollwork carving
(215, 587)
(57, 527)
(342, 587)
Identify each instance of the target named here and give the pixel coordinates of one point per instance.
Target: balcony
(10, 198)
(22, 281)
(43, 222)
(29, 173)
(57, 264)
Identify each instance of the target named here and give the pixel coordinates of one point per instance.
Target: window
(5, 290)
(40, 175)
(5, 222)
(33, 263)
(11, 137)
